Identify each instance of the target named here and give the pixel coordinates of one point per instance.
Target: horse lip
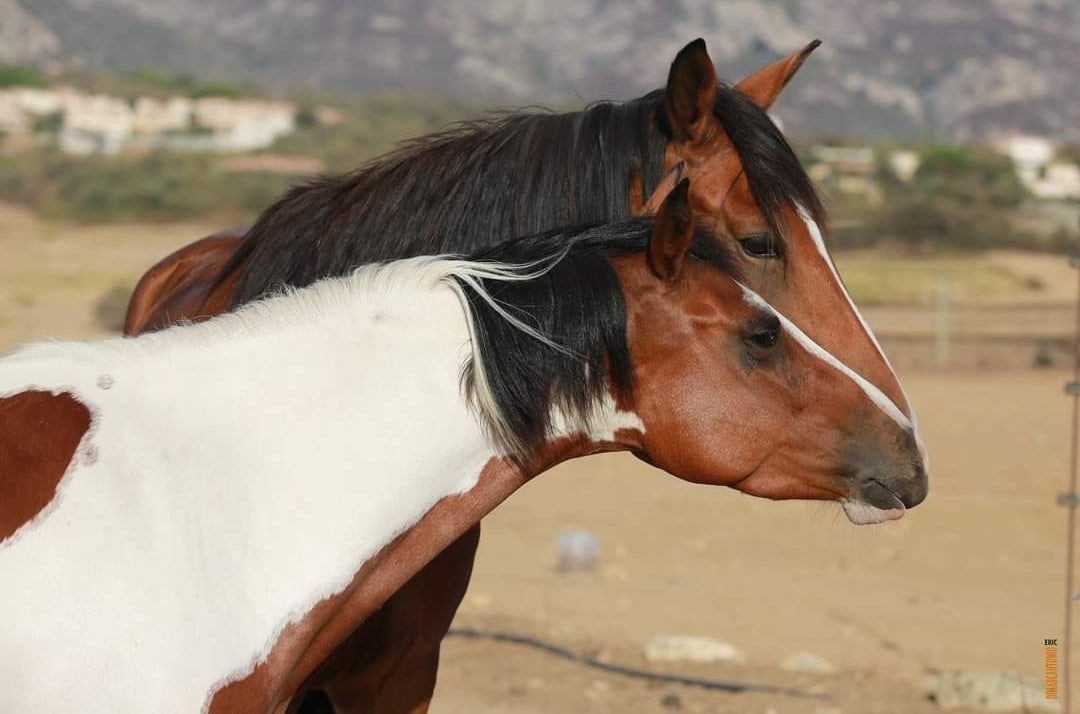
(875, 503)
(862, 514)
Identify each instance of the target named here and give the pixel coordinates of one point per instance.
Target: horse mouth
(875, 504)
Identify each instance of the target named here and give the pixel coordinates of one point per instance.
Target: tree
(969, 176)
(51, 123)
(960, 197)
(15, 75)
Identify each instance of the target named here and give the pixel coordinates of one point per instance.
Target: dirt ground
(972, 578)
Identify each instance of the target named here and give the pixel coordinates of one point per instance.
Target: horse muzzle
(885, 481)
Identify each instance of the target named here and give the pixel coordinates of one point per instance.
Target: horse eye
(765, 332)
(760, 245)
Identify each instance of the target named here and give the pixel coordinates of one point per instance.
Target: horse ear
(691, 93)
(672, 233)
(648, 206)
(765, 85)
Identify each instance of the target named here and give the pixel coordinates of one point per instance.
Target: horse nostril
(918, 488)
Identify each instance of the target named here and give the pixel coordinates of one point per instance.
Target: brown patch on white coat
(40, 433)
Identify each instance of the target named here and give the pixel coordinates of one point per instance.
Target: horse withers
(240, 495)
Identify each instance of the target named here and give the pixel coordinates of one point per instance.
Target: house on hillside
(1028, 152)
(846, 169)
(1059, 180)
(95, 123)
(1038, 168)
(244, 125)
(904, 163)
(20, 107)
(161, 116)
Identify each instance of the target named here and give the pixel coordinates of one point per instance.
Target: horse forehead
(39, 434)
(717, 181)
(705, 298)
(716, 153)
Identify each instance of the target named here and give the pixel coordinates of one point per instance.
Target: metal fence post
(942, 322)
(1070, 500)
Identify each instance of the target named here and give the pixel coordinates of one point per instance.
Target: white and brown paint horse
(192, 520)
(484, 181)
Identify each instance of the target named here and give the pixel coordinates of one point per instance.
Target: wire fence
(1070, 500)
(958, 335)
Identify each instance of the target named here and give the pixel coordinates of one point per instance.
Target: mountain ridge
(963, 71)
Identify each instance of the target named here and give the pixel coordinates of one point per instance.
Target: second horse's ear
(672, 233)
(691, 93)
(765, 85)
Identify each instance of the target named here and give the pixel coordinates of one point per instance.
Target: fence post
(942, 322)
(1070, 501)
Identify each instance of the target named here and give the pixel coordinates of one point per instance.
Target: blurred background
(946, 139)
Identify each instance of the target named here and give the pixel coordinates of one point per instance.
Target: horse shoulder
(39, 434)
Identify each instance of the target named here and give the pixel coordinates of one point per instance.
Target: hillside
(958, 70)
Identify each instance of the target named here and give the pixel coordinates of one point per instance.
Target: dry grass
(53, 275)
(878, 279)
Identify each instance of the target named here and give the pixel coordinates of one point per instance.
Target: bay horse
(484, 180)
(193, 519)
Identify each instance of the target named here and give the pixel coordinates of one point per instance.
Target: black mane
(484, 181)
(579, 305)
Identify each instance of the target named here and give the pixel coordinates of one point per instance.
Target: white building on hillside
(1059, 180)
(244, 125)
(1033, 157)
(96, 123)
(93, 123)
(161, 116)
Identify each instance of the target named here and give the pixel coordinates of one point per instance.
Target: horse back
(185, 285)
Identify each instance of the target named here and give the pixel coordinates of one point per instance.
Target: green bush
(969, 176)
(216, 89)
(15, 75)
(157, 186)
(961, 198)
(49, 123)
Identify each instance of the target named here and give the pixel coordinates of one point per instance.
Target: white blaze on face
(819, 242)
(858, 512)
(873, 393)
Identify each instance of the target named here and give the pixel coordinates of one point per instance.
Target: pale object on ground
(690, 648)
(805, 662)
(577, 550)
(992, 691)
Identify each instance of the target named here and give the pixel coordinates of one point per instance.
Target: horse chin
(863, 514)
